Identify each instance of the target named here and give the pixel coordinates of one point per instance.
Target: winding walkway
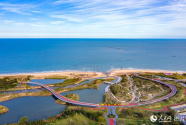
(111, 121)
(62, 98)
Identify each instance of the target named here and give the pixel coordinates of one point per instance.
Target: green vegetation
(122, 90)
(28, 78)
(78, 115)
(104, 97)
(179, 97)
(135, 116)
(24, 121)
(72, 96)
(93, 115)
(68, 82)
(73, 115)
(172, 76)
(111, 116)
(148, 75)
(3, 109)
(123, 121)
(12, 83)
(7, 83)
(56, 77)
(147, 88)
(115, 89)
(77, 119)
(100, 119)
(94, 84)
(107, 99)
(133, 113)
(69, 95)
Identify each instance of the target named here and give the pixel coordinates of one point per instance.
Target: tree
(100, 119)
(23, 120)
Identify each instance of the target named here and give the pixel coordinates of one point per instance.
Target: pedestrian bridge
(85, 104)
(64, 99)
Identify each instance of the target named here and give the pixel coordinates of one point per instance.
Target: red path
(111, 121)
(164, 109)
(57, 95)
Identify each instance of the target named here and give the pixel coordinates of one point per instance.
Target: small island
(3, 109)
(71, 96)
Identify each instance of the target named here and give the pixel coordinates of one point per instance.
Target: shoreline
(3, 109)
(144, 70)
(10, 96)
(98, 74)
(43, 75)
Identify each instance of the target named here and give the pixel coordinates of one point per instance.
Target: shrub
(23, 120)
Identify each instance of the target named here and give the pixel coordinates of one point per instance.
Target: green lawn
(77, 119)
(122, 121)
(68, 82)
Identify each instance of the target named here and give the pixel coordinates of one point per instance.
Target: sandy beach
(83, 74)
(43, 75)
(121, 71)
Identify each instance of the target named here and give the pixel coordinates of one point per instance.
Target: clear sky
(93, 18)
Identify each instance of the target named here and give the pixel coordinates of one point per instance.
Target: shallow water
(34, 108)
(90, 95)
(47, 81)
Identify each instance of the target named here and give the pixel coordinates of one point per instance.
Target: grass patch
(77, 119)
(67, 82)
(136, 116)
(3, 109)
(71, 96)
(172, 76)
(96, 116)
(56, 77)
(122, 121)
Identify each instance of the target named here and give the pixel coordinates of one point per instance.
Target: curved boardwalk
(173, 91)
(62, 98)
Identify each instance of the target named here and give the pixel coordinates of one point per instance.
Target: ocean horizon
(31, 55)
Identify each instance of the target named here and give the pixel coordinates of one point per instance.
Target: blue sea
(43, 55)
